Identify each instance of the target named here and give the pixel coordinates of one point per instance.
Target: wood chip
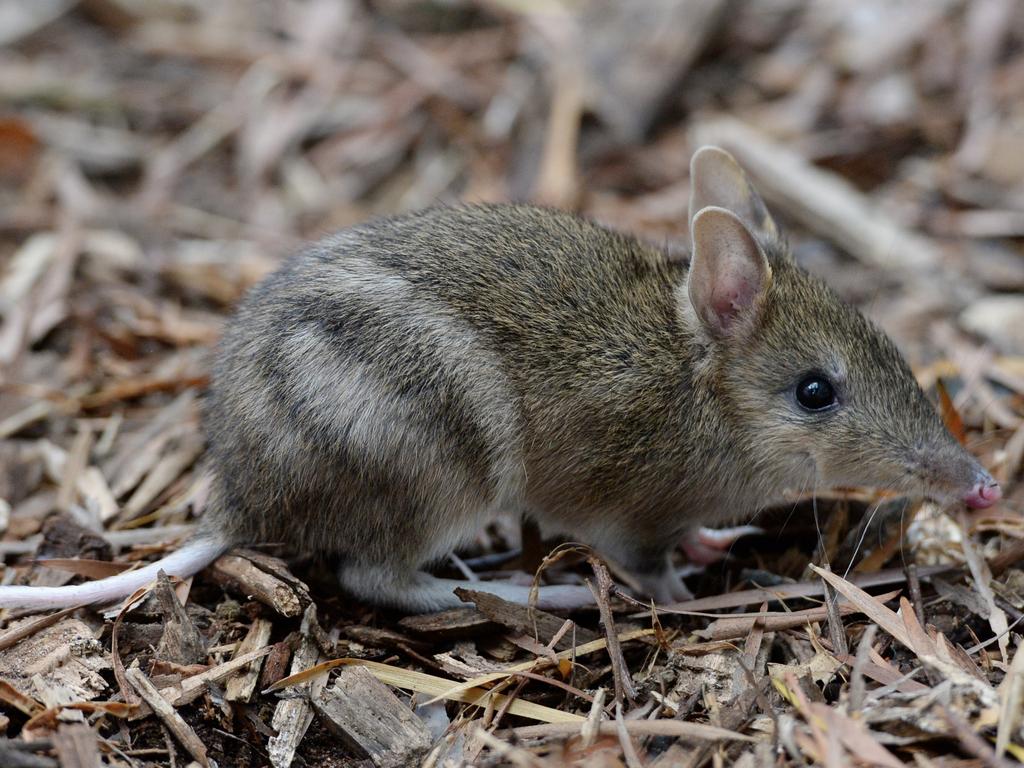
(293, 714)
(372, 720)
(241, 686)
(242, 575)
(76, 746)
(540, 625)
(181, 643)
(161, 708)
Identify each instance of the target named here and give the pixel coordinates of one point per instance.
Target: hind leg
(650, 564)
(419, 592)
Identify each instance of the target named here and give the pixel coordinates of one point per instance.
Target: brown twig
(620, 672)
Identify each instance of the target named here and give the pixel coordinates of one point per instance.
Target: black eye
(815, 393)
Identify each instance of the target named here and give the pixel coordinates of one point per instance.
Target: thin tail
(191, 558)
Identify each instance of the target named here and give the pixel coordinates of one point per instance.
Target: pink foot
(704, 546)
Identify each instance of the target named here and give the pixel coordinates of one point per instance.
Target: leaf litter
(159, 158)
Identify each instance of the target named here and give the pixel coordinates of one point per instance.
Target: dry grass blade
(857, 687)
(529, 666)
(873, 609)
(679, 729)
(772, 621)
(855, 737)
(921, 643)
(982, 577)
(727, 600)
(1011, 695)
(437, 687)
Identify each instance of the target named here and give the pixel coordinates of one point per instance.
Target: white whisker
(799, 496)
(817, 521)
(863, 535)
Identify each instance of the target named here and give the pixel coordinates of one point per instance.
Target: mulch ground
(158, 158)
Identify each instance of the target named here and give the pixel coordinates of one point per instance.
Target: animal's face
(829, 401)
(821, 395)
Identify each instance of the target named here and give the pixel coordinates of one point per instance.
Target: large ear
(729, 274)
(717, 179)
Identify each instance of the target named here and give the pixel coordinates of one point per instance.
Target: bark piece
(529, 621)
(76, 746)
(242, 685)
(372, 720)
(287, 596)
(181, 642)
(294, 714)
(448, 625)
(276, 665)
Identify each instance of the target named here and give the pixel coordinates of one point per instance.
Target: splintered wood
(242, 685)
(76, 747)
(293, 715)
(370, 718)
(158, 159)
(244, 576)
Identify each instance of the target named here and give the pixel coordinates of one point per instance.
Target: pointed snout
(949, 472)
(984, 493)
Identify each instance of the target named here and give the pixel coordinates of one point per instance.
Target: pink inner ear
(728, 271)
(732, 296)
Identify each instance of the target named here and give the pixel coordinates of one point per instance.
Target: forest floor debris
(158, 158)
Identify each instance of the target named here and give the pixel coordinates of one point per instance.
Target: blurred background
(157, 157)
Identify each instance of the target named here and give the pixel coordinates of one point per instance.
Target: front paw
(665, 587)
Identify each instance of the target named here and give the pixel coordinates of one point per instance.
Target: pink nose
(984, 494)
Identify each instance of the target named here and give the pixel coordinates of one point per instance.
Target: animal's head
(822, 394)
